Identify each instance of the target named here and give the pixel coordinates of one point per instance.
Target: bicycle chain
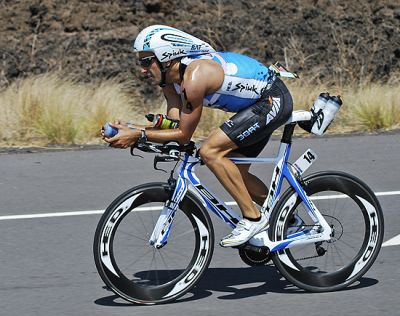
(305, 258)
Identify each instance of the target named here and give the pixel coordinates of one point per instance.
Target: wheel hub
(336, 226)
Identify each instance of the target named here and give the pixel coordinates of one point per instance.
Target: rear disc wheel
(355, 217)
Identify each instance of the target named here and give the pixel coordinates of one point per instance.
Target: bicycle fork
(159, 236)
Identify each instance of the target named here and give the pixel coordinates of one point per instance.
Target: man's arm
(188, 122)
(201, 78)
(190, 114)
(174, 105)
(174, 102)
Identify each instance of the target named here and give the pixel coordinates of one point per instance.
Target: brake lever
(132, 154)
(141, 140)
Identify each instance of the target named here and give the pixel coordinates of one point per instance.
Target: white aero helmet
(168, 43)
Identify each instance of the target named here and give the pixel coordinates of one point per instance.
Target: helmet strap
(163, 70)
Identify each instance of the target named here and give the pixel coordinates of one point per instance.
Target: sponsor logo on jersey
(276, 105)
(248, 131)
(240, 86)
(229, 123)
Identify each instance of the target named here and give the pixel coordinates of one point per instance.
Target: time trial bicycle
(155, 241)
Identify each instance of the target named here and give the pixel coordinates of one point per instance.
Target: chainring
(256, 257)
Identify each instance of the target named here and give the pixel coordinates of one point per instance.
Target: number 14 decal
(309, 156)
(305, 161)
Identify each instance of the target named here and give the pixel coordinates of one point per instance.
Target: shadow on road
(238, 283)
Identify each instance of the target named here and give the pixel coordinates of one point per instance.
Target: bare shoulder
(206, 75)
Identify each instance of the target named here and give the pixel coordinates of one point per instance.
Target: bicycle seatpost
(288, 133)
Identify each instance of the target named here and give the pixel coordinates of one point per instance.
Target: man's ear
(172, 62)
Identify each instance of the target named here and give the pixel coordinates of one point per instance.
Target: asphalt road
(47, 267)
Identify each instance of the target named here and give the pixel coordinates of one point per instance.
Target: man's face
(148, 66)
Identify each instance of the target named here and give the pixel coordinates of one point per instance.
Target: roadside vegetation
(50, 109)
(54, 109)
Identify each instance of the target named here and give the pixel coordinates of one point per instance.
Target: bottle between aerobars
(162, 121)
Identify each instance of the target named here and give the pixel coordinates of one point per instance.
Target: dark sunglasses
(146, 62)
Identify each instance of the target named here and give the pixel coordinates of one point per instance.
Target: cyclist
(192, 75)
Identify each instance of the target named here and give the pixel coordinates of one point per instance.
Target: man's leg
(213, 152)
(256, 188)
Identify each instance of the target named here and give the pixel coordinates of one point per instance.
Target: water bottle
(162, 121)
(109, 131)
(316, 109)
(320, 103)
(326, 116)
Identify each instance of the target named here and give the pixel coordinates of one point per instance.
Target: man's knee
(216, 147)
(212, 154)
(208, 154)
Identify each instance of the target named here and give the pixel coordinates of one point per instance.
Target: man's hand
(126, 137)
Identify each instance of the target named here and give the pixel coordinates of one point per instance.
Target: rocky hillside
(323, 40)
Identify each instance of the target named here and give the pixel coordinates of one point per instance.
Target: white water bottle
(326, 115)
(320, 103)
(316, 109)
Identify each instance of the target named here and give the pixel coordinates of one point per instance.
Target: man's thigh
(219, 142)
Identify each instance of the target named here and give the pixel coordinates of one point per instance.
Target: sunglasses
(146, 62)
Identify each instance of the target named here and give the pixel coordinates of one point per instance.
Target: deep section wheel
(137, 271)
(354, 214)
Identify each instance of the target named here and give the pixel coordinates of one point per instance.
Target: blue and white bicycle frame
(187, 180)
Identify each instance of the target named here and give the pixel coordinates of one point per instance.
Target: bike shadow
(239, 283)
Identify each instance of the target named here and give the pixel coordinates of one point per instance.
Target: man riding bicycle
(192, 75)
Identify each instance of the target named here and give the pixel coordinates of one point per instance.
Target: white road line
(76, 213)
(392, 242)
(387, 193)
(93, 212)
(43, 215)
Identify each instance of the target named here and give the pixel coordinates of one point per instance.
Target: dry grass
(374, 107)
(49, 109)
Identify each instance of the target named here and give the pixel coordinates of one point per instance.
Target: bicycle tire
(116, 238)
(355, 202)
